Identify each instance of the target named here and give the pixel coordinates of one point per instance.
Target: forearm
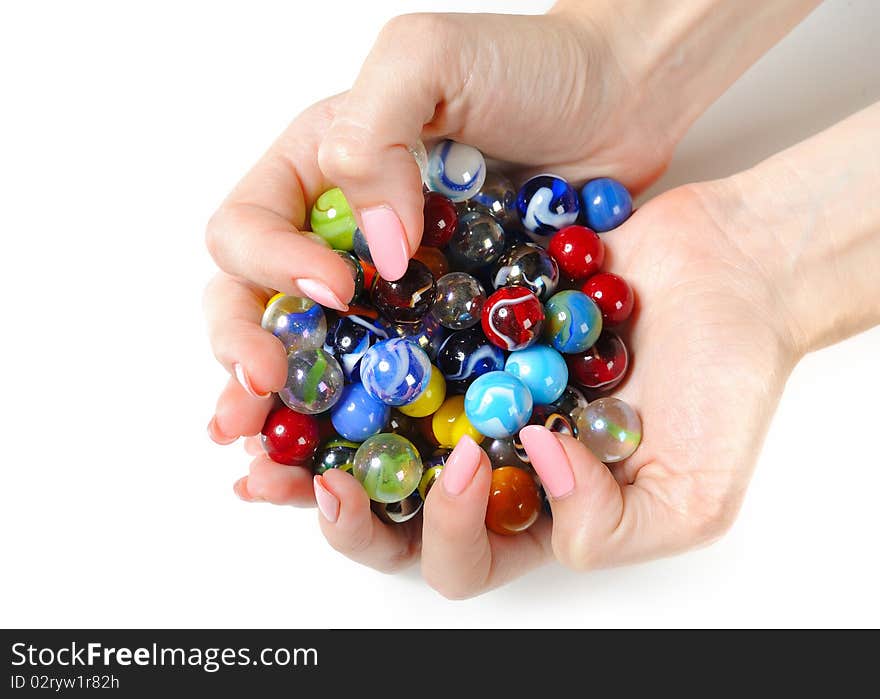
(811, 217)
(681, 56)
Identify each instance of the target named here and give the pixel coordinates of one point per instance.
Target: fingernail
(548, 459)
(327, 502)
(387, 240)
(216, 435)
(321, 293)
(460, 467)
(242, 378)
(240, 489)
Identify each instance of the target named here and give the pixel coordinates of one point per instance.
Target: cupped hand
(711, 351)
(538, 93)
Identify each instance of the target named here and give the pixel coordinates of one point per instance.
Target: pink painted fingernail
(242, 378)
(320, 293)
(327, 502)
(216, 435)
(387, 240)
(460, 467)
(548, 459)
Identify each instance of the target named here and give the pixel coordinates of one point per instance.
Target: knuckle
(574, 551)
(712, 503)
(344, 154)
(408, 32)
(214, 237)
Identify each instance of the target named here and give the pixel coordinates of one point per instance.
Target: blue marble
(572, 322)
(395, 371)
(427, 333)
(349, 338)
(542, 369)
(357, 415)
(546, 204)
(455, 170)
(607, 204)
(465, 355)
(498, 405)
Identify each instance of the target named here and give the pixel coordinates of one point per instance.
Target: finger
(268, 481)
(365, 151)
(351, 528)
(598, 522)
(238, 414)
(255, 233)
(253, 446)
(460, 558)
(256, 359)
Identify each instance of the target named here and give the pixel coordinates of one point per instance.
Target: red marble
(578, 251)
(601, 367)
(441, 218)
(290, 438)
(512, 318)
(612, 295)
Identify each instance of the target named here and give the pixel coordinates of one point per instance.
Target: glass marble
(355, 270)
(433, 468)
(433, 259)
(427, 333)
(514, 502)
(612, 295)
(441, 219)
(571, 402)
(543, 371)
(360, 247)
(288, 437)
(505, 452)
(607, 204)
(478, 241)
(420, 155)
(573, 322)
(388, 466)
(358, 415)
(497, 197)
(333, 220)
(408, 299)
(498, 404)
(554, 420)
(610, 428)
(527, 265)
(336, 453)
(465, 355)
(513, 318)
(460, 300)
(395, 371)
(603, 366)
(298, 322)
(455, 170)
(399, 512)
(431, 398)
(349, 338)
(314, 381)
(578, 250)
(546, 204)
(450, 423)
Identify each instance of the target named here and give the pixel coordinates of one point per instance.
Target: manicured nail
(548, 459)
(216, 435)
(387, 240)
(327, 502)
(320, 293)
(242, 378)
(460, 467)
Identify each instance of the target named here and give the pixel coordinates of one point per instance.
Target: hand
(459, 84)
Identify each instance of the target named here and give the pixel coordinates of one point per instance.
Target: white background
(122, 127)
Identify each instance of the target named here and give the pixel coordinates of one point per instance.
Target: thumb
(366, 151)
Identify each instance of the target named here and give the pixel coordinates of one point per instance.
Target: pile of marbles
(503, 319)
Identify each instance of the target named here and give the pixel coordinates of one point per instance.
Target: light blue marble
(498, 405)
(542, 369)
(455, 170)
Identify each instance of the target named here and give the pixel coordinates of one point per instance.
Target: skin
(725, 309)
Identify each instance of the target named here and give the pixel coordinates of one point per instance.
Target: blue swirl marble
(349, 338)
(298, 322)
(427, 333)
(607, 204)
(455, 170)
(546, 204)
(572, 322)
(543, 371)
(465, 355)
(357, 415)
(498, 405)
(395, 371)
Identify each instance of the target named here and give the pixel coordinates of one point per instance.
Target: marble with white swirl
(395, 371)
